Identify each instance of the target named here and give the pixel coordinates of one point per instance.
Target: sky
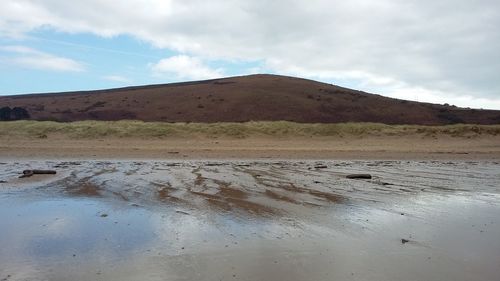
(439, 51)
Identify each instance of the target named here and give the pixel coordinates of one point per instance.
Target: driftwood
(29, 173)
(359, 176)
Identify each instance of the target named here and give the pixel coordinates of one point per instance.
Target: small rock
(321, 166)
(104, 215)
(214, 164)
(359, 176)
(404, 241)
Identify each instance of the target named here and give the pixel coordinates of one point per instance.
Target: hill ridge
(258, 97)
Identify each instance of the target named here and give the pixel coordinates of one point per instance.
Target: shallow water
(250, 220)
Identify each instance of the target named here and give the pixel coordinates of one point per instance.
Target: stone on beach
(359, 176)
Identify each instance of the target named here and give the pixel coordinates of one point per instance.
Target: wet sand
(250, 220)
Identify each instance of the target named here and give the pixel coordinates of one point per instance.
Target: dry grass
(138, 129)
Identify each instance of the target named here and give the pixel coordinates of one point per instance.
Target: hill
(239, 99)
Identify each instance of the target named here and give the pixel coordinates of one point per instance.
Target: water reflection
(48, 233)
(44, 229)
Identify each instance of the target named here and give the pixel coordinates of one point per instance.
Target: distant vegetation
(16, 113)
(138, 129)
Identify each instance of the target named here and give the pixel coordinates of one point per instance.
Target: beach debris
(404, 241)
(359, 176)
(29, 173)
(2, 181)
(383, 183)
(214, 164)
(66, 164)
(320, 166)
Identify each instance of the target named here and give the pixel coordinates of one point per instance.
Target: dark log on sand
(359, 176)
(29, 173)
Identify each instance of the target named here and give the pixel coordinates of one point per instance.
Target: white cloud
(117, 78)
(34, 59)
(444, 46)
(185, 67)
(401, 90)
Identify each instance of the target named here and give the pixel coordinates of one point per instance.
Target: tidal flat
(250, 220)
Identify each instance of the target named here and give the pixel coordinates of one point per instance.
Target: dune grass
(139, 129)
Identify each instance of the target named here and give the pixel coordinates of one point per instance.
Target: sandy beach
(350, 147)
(250, 208)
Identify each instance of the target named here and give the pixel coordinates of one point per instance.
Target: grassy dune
(138, 129)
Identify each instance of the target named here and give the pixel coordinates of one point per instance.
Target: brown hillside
(237, 99)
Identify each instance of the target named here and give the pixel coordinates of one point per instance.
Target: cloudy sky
(442, 51)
